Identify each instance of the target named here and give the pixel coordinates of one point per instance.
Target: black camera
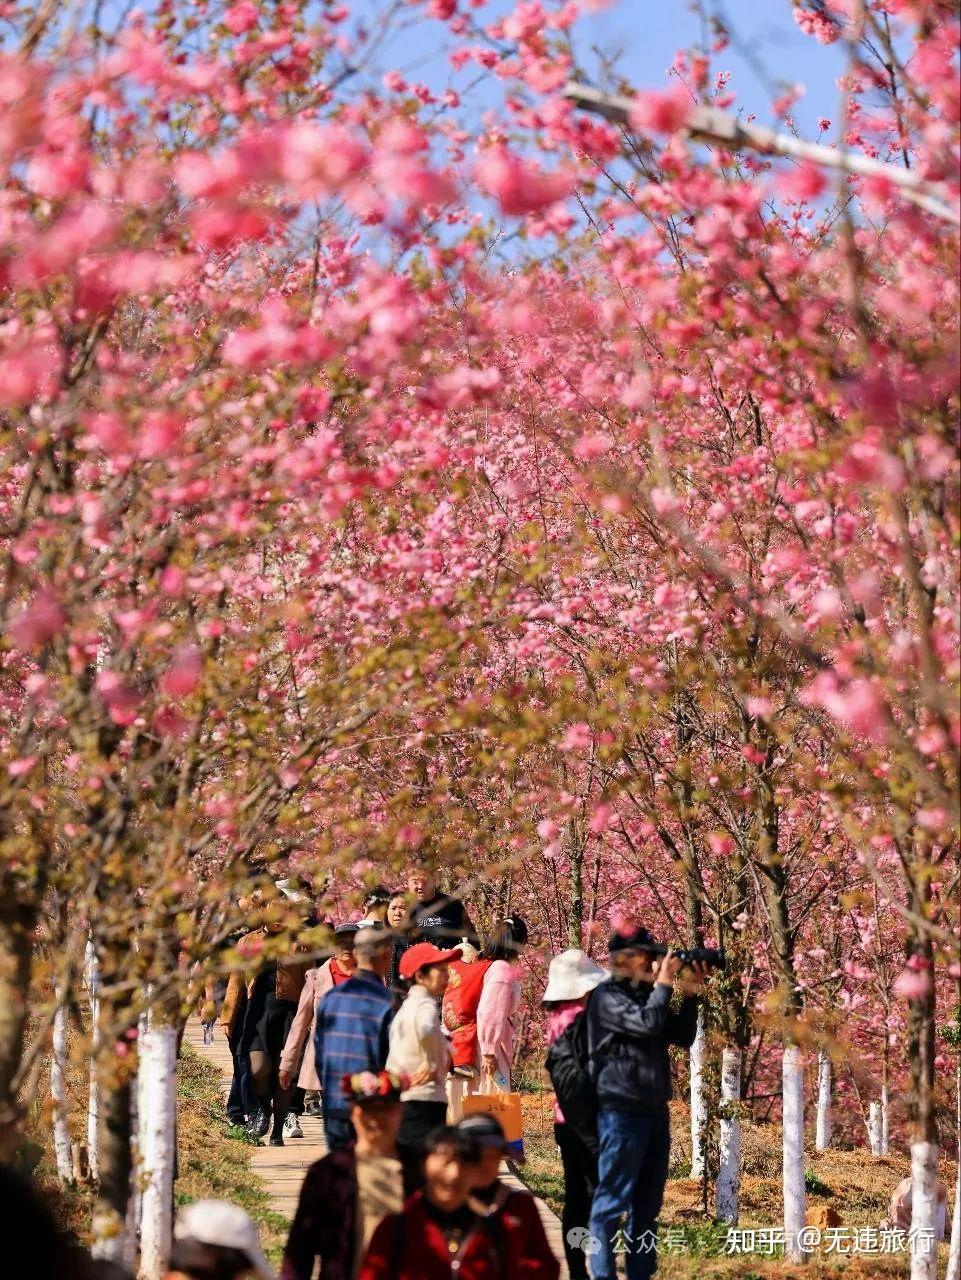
(709, 956)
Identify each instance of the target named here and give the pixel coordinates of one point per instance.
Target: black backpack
(568, 1065)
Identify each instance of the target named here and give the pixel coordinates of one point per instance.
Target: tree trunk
(775, 882)
(924, 1146)
(575, 864)
(793, 1150)
(727, 1192)
(110, 1239)
(17, 922)
(874, 1128)
(58, 1091)
(92, 978)
(158, 1067)
(822, 1129)
(924, 1206)
(695, 938)
(954, 1250)
(698, 1100)
(884, 1120)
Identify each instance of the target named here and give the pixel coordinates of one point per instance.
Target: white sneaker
(292, 1127)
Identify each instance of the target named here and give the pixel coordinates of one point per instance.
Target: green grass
(814, 1185)
(215, 1155)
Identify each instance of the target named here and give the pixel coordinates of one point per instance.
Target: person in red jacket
(511, 1209)
(465, 1223)
(438, 1236)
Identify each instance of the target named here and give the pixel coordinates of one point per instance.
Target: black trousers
(418, 1119)
(580, 1183)
(265, 1050)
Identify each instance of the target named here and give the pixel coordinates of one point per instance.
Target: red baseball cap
(422, 954)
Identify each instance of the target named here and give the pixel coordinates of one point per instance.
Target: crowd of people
(295, 1028)
(412, 1013)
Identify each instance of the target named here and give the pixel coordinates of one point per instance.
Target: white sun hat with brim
(225, 1226)
(573, 975)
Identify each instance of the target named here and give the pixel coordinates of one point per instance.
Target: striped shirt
(353, 1021)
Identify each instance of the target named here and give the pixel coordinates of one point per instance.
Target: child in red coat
(440, 1236)
(508, 1210)
(443, 1235)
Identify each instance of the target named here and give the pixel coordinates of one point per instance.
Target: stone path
(281, 1169)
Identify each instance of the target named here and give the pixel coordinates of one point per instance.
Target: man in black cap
(629, 1027)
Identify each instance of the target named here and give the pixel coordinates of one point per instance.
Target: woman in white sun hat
(571, 978)
(216, 1240)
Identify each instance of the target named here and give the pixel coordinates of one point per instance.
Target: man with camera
(629, 1027)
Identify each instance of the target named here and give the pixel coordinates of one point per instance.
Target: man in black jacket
(629, 1026)
(436, 917)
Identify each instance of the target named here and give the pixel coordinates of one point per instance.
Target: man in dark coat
(629, 1028)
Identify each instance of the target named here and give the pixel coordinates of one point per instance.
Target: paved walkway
(281, 1169)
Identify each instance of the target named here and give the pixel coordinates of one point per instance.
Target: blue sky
(767, 51)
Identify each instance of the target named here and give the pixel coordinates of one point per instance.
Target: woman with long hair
(499, 1002)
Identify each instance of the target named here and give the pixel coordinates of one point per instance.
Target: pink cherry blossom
(577, 737)
(242, 17)
(662, 111)
(804, 182)
(183, 675)
(518, 187)
(29, 373)
(37, 623)
(912, 984)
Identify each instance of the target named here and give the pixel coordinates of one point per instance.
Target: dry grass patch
(856, 1184)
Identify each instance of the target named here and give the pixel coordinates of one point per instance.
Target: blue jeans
(632, 1169)
(338, 1130)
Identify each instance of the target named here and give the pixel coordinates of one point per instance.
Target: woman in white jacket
(418, 1047)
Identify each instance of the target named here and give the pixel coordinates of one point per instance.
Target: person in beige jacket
(341, 965)
(418, 1046)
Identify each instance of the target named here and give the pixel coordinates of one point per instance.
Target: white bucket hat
(226, 1226)
(571, 975)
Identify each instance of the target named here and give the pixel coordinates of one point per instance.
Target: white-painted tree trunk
(92, 977)
(158, 1102)
(884, 1120)
(954, 1249)
(822, 1128)
(138, 1112)
(728, 1187)
(58, 1090)
(698, 1100)
(792, 1076)
(875, 1128)
(924, 1207)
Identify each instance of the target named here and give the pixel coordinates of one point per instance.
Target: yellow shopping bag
(507, 1108)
